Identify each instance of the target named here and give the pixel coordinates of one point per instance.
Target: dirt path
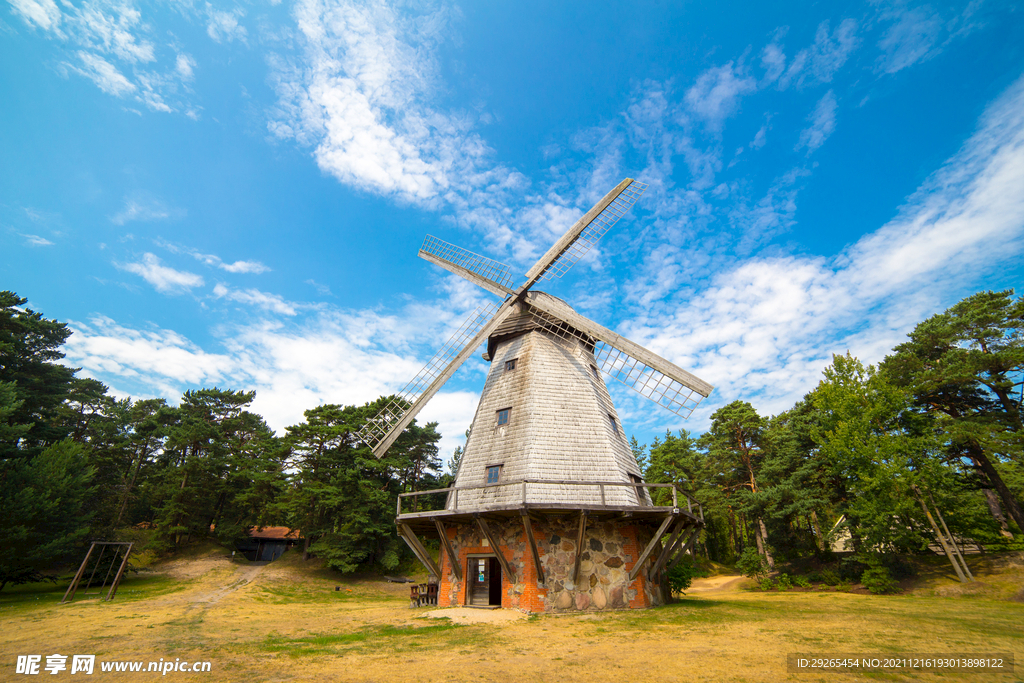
(716, 583)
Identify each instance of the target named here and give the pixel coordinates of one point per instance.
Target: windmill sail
(582, 236)
(376, 429)
(647, 373)
(382, 430)
(492, 275)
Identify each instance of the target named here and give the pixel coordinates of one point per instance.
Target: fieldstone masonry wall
(609, 552)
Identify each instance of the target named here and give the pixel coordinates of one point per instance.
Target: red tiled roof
(275, 532)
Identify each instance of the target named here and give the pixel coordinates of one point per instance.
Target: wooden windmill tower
(549, 510)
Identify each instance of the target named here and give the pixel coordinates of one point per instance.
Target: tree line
(923, 450)
(77, 463)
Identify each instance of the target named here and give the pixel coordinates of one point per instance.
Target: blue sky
(234, 194)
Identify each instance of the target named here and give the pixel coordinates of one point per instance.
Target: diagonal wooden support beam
(684, 544)
(650, 548)
(669, 546)
(533, 546)
(505, 566)
(453, 559)
(120, 573)
(78, 577)
(417, 548)
(579, 546)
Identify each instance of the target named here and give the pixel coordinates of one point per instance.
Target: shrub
(752, 564)
(829, 576)
(765, 583)
(814, 577)
(802, 581)
(681, 576)
(785, 583)
(879, 581)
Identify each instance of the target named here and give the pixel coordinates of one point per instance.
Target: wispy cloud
(143, 209)
(320, 289)
(36, 241)
(766, 327)
(822, 122)
(236, 267)
(819, 62)
(108, 42)
(164, 278)
(253, 297)
(332, 355)
(716, 94)
(223, 26)
(104, 74)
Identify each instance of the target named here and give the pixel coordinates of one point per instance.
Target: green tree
(734, 446)
(46, 506)
(29, 348)
(961, 366)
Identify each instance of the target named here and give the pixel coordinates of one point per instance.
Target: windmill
(549, 510)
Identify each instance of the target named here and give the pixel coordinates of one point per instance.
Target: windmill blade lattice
(377, 428)
(595, 231)
(646, 381)
(666, 391)
(494, 272)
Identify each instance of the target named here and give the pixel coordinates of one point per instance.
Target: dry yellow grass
(283, 623)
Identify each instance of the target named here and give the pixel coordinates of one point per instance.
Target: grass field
(281, 622)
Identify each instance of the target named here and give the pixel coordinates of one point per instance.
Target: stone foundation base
(610, 549)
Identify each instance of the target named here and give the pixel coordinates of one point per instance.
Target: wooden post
(952, 540)
(938, 534)
(579, 546)
(650, 547)
(417, 548)
(533, 545)
(505, 566)
(453, 559)
(666, 551)
(78, 577)
(120, 573)
(682, 550)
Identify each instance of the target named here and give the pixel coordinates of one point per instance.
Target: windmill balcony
(543, 496)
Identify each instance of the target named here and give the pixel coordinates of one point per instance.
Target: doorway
(484, 574)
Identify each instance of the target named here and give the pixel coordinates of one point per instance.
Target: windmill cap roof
(526, 320)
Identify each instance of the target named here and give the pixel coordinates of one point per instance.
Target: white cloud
(716, 94)
(236, 267)
(223, 26)
(823, 122)
(37, 241)
(164, 278)
(141, 209)
(185, 66)
(107, 42)
(334, 356)
(254, 297)
(767, 327)
(43, 13)
(104, 74)
(820, 62)
(910, 39)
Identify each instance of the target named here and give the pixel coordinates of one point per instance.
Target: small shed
(266, 544)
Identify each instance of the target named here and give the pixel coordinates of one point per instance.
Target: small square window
(493, 474)
(510, 364)
(503, 416)
(615, 425)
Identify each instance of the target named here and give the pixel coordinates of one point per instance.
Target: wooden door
(484, 574)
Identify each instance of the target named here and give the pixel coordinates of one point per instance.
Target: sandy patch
(469, 615)
(716, 583)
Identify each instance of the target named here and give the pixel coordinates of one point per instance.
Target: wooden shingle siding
(559, 427)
